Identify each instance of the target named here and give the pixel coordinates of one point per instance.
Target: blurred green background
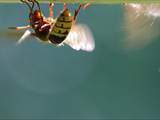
(40, 81)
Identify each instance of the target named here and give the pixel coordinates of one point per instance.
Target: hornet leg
(50, 10)
(78, 9)
(20, 27)
(51, 5)
(65, 5)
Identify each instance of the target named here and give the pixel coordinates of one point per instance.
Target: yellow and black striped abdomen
(61, 28)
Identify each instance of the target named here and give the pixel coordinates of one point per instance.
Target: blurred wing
(24, 36)
(80, 38)
(141, 24)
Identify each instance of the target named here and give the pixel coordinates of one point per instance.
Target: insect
(58, 31)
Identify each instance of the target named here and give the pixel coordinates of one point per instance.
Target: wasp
(58, 31)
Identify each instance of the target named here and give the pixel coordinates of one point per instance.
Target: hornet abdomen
(61, 28)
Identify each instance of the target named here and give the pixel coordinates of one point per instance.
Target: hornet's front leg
(20, 27)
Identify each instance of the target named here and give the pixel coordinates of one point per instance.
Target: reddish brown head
(35, 17)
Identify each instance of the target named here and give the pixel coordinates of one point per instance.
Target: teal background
(40, 81)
